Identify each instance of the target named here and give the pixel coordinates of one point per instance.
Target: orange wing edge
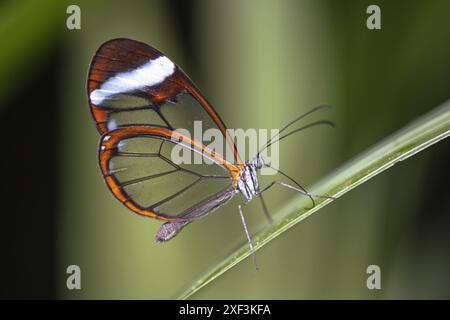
(109, 146)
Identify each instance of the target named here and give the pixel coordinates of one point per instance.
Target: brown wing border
(177, 84)
(109, 147)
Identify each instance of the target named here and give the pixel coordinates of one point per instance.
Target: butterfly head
(257, 162)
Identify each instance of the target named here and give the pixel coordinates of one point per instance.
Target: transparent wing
(154, 172)
(132, 83)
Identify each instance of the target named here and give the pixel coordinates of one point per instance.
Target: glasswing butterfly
(138, 97)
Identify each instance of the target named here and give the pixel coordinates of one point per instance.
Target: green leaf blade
(417, 136)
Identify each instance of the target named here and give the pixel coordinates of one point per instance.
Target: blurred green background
(260, 63)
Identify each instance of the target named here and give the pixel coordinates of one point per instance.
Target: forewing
(132, 83)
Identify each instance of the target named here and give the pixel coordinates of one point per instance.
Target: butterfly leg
(302, 191)
(266, 211)
(248, 236)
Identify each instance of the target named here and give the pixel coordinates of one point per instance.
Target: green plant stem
(422, 133)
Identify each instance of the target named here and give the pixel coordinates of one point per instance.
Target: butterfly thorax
(248, 179)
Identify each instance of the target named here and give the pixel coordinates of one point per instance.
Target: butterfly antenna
(313, 124)
(317, 108)
(250, 244)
